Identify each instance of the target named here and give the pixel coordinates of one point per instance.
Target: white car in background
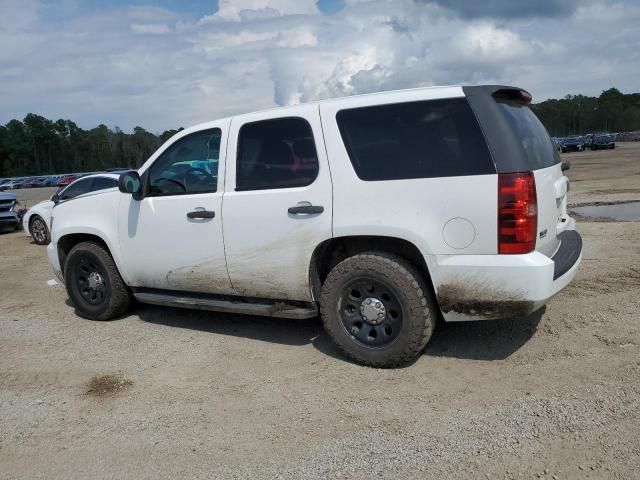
(37, 221)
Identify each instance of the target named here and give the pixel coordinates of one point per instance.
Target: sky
(162, 64)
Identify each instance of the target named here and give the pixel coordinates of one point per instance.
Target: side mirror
(55, 198)
(129, 182)
(566, 165)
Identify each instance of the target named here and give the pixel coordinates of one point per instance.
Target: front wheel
(377, 309)
(39, 231)
(94, 283)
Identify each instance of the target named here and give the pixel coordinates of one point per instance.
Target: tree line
(612, 111)
(39, 146)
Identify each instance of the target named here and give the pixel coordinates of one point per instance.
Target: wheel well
(32, 218)
(331, 252)
(66, 243)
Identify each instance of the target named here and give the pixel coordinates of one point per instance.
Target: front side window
(76, 188)
(278, 153)
(102, 183)
(426, 139)
(190, 165)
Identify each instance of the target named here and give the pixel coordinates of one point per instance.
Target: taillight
(517, 212)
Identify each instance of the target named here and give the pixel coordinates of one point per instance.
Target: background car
(12, 184)
(9, 215)
(66, 180)
(572, 144)
(601, 142)
(37, 220)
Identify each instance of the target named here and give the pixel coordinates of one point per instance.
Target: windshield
(603, 138)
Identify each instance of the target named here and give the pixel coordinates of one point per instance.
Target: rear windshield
(435, 138)
(537, 147)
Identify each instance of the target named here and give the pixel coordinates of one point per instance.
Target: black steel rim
(38, 230)
(91, 281)
(374, 332)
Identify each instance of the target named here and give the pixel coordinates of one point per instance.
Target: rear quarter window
(537, 147)
(426, 139)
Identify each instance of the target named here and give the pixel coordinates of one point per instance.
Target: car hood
(7, 196)
(43, 204)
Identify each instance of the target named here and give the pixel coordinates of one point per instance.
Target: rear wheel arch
(332, 251)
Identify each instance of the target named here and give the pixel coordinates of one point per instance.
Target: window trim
(272, 119)
(146, 180)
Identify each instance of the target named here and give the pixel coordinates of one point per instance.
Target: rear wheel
(39, 231)
(94, 283)
(377, 309)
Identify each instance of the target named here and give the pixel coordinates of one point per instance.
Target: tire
(403, 319)
(94, 283)
(39, 231)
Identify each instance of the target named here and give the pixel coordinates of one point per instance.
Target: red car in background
(64, 181)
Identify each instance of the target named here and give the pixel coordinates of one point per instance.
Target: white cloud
(148, 66)
(238, 10)
(151, 28)
(486, 42)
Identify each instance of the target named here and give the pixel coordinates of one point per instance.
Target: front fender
(94, 216)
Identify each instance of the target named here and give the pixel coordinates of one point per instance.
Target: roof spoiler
(504, 92)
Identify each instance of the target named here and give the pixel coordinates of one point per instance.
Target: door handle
(201, 214)
(306, 209)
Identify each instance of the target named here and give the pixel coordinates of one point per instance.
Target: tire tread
(420, 305)
(120, 299)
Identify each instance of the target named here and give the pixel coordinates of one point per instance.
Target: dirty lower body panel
(489, 287)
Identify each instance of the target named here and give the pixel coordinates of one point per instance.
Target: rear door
(278, 202)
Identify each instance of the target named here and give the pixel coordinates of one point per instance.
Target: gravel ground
(165, 393)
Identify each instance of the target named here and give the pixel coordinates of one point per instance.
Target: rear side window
(278, 153)
(537, 147)
(100, 183)
(435, 138)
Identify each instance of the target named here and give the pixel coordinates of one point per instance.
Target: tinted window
(76, 188)
(537, 147)
(190, 165)
(278, 153)
(100, 183)
(437, 138)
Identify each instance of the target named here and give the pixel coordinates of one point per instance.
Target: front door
(277, 203)
(172, 238)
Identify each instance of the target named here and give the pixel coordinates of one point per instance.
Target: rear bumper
(488, 287)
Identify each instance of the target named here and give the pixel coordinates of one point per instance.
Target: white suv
(384, 210)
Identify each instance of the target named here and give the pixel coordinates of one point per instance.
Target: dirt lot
(178, 394)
